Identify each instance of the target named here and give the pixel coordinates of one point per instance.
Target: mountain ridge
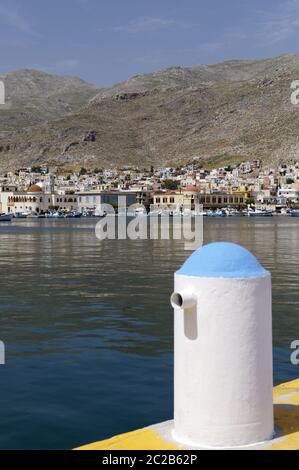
(219, 113)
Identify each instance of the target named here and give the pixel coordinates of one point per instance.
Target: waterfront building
(290, 194)
(222, 200)
(91, 200)
(176, 201)
(35, 200)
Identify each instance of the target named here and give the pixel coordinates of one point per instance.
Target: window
(165, 199)
(172, 199)
(214, 200)
(157, 200)
(219, 200)
(225, 199)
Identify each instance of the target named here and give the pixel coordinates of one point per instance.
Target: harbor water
(88, 326)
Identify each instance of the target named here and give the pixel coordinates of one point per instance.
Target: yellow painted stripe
(143, 439)
(286, 415)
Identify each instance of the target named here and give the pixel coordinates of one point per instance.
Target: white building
(291, 194)
(35, 200)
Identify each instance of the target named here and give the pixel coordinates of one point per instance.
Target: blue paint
(222, 259)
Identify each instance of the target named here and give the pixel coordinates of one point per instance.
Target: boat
(231, 212)
(198, 212)
(55, 215)
(20, 215)
(88, 213)
(217, 213)
(134, 212)
(75, 215)
(260, 213)
(5, 217)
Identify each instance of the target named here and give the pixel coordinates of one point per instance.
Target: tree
(171, 185)
(83, 171)
(36, 169)
(250, 201)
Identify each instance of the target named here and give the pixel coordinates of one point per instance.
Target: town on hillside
(245, 188)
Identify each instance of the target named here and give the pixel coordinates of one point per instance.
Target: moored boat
(54, 215)
(74, 214)
(20, 215)
(5, 217)
(260, 213)
(295, 213)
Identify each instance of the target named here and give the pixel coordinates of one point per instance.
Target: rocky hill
(33, 97)
(222, 113)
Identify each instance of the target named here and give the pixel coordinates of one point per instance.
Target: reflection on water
(88, 325)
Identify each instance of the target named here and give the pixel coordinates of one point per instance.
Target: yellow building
(174, 201)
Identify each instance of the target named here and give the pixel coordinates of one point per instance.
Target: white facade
(289, 193)
(35, 200)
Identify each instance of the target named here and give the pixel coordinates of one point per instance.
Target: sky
(107, 41)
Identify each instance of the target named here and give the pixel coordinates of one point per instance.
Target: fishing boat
(217, 213)
(231, 212)
(73, 215)
(55, 215)
(260, 213)
(20, 215)
(5, 217)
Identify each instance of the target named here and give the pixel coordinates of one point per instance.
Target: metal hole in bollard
(176, 300)
(184, 300)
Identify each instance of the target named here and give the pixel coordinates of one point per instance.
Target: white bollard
(223, 349)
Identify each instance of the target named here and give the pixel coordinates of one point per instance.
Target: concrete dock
(159, 436)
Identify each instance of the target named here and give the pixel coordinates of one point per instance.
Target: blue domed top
(222, 259)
